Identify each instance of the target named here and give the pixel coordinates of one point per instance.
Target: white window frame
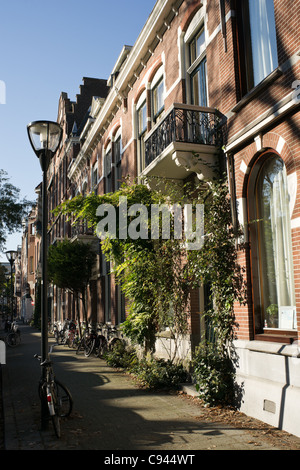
(196, 25)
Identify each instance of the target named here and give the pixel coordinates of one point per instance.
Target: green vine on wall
(157, 275)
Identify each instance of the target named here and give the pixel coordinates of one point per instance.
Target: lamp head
(11, 256)
(45, 137)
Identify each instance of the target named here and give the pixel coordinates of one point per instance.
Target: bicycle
(54, 396)
(111, 341)
(73, 338)
(13, 336)
(59, 332)
(96, 343)
(83, 342)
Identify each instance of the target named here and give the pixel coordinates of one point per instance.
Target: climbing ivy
(157, 275)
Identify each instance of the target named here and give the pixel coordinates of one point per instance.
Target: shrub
(158, 373)
(121, 356)
(150, 372)
(214, 376)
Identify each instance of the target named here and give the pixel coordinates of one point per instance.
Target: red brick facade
(264, 118)
(194, 57)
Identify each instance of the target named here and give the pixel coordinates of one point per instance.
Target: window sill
(256, 90)
(267, 347)
(282, 337)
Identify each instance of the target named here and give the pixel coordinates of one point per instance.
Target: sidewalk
(110, 412)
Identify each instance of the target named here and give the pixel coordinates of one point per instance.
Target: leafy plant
(122, 356)
(12, 208)
(214, 376)
(155, 373)
(158, 275)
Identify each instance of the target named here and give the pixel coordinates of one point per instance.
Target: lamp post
(11, 256)
(45, 137)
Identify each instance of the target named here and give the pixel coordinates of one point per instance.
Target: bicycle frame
(54, 396)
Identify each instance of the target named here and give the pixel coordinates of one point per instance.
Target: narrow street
(110, 412)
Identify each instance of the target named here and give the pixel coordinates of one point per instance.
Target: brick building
(212, 65)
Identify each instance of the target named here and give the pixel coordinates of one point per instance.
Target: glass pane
(263, 38)
(158, 98)
(274, 243)
(192, 51)
(200, 43)
(199, 92)
(117, 149)
(142, 118)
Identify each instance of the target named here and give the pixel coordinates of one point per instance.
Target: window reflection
(274, 247)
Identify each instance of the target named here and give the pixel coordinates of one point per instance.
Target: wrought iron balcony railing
(81, 229)
(187, 124)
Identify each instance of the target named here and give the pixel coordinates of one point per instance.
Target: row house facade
(27, 265)
(204, 76)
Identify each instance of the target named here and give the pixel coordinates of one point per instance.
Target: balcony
(187, 140)
(82, 232)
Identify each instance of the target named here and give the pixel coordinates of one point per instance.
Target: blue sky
(47, 48)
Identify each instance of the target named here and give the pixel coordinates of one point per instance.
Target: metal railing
(183, 123)
(82, 229)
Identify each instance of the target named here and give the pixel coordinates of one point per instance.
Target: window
(271, 246)
(258, 41)
(197, 70)
(158, 99)
(117, 155)
(142, 129)
(94, 176)
(31, 265)
(107, 170)
(142, 119)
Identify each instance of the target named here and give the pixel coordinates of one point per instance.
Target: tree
(70, 266)
(12, 208)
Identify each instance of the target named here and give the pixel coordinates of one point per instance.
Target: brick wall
(280, 133)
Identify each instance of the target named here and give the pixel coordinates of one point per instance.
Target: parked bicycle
(58, 332)
(62, 330)
(13, 334)
(72, 338)
(54, 395)
(110, 340)
(84, 340)
(95, 344)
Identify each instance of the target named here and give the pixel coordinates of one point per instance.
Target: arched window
(271, 245)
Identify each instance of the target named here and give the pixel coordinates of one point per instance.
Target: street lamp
(45, 137)
(11, 256)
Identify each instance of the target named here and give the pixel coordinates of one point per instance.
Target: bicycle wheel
(64, 403)
(70, 339)
(13, 339)
(102, 346)
(89, 346)
(81, 346)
